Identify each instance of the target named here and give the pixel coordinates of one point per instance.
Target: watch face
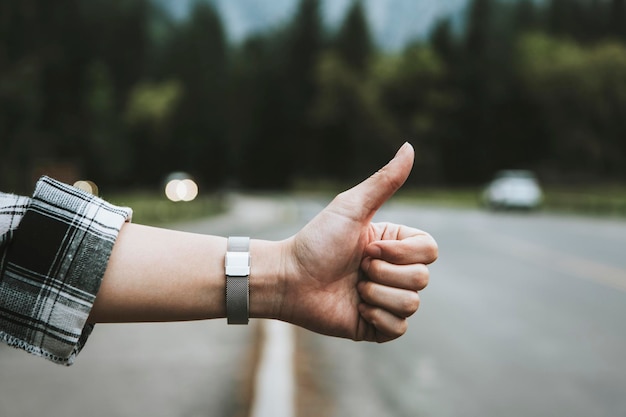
(238, 257)
(237, 265)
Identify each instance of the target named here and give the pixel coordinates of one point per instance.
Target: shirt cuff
(53, 267)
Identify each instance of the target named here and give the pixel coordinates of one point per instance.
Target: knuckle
(400, 328)
(431, 248)
(380, 272)
(367, 291)
(375, 269)
(396, 331)
(410, 304)
(419, 280)
(434, 251)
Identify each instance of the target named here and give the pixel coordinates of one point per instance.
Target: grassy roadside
(592, 201)
(596, 201)
(152, 208)
(449, 197)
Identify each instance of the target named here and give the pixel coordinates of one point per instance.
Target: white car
(513, 189)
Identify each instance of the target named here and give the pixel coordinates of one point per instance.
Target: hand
(351, 278)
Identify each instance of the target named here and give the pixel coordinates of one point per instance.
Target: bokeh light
(88, 186)
(180, 187)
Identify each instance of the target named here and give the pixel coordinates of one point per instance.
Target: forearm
(340, 275)
(157, 274)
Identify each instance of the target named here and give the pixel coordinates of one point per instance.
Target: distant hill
(393, 22)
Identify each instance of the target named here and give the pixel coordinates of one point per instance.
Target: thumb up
(367, 197)
(353, 278)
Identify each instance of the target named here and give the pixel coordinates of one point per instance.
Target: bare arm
(340, 275)
(157, 274)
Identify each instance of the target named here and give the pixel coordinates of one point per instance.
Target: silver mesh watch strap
(237, 280)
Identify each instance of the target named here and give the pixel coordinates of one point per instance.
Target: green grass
(596, 201)
(608, 200)
(151, 208)
(154, 209)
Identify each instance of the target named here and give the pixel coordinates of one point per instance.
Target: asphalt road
(156, 370)
(524, 316)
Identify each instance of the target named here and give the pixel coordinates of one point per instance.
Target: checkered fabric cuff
(52, 261)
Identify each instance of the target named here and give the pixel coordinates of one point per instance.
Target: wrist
(267, 278)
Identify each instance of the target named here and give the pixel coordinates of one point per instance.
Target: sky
(393, 22)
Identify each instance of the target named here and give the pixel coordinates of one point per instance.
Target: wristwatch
(237, 266)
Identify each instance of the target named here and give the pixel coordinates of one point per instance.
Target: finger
(367, 197)
(420, 248)
(412, 277)
(402, 303)
(388, 326)
(393, 231)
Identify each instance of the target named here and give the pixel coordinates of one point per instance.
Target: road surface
(156, 370)
(524, 316)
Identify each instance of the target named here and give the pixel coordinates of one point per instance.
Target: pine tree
(353, 42)
(525, 16)
(618, 19)
(479, 26)
(477, 82)
(278, 86)
(303, 45)
(562, 17)
(198, 58)
(442, 41)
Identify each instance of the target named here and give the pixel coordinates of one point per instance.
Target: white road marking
(274, 388)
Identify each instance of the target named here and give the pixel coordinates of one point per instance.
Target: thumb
(367, 197)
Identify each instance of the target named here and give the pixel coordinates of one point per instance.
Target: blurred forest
(120, 93)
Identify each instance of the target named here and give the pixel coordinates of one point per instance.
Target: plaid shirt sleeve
(54, 248)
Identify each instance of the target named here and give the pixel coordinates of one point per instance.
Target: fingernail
(405, 145)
